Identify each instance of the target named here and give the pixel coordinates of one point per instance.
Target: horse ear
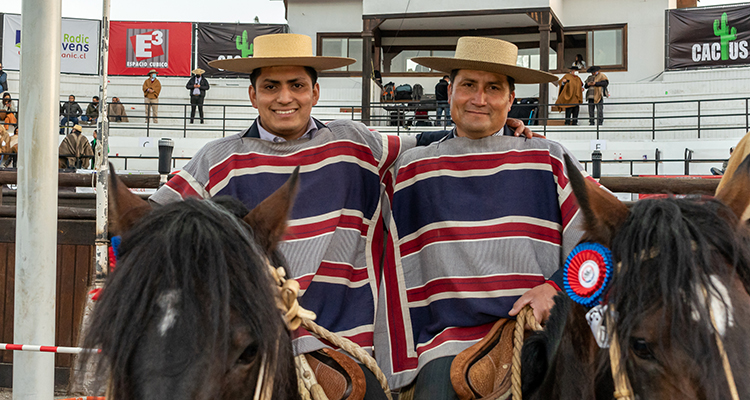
(125, 208)
(602, 212)
(735, 193)
(268, 219)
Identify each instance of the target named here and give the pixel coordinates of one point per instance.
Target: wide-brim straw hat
(152, 71)
(78, 128)
(486, 54)
(282, 49)
(198, 71)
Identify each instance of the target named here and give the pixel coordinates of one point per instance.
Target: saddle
(484, 369)
(340, 377)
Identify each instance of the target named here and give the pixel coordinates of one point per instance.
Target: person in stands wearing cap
(197, 85)
(334, 243)
(75, 149)
(495, 220)
(596, 85)
(151, 90)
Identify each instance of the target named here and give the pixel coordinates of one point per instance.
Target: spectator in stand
(92, 111)
(116, 111)
(70, 112)
(3, 80)
(596, 84)
(197, 85)
(74, 149)
(151, 90)
(570, 96)
(4, 147)
(8, 112)
(579, 62)
(441, 95)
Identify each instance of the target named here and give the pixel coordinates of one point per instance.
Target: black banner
(703, 37)
(222, 41)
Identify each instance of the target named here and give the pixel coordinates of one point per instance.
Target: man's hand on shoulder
(541, 300)
(521, 129)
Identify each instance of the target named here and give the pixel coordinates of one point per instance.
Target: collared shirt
(506, 131)
(312, 129)
(197, 91)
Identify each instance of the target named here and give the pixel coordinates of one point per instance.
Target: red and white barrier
(46, 349)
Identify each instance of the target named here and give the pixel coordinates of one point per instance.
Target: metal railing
(645, 117)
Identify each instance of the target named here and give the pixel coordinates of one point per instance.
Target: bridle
(592, 299)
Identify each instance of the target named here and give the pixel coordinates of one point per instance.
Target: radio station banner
(79, 45)
(221, 41)
(136, 47)
(707, 37)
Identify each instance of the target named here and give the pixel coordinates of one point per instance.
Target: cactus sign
(706, 37)
(221, 41)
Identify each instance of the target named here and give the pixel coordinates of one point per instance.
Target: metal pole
(36, 221)
(102, 159)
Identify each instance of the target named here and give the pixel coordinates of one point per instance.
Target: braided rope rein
(295, 316)
(526, 316)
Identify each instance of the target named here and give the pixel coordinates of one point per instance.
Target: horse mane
(200, 249)
(669, 249)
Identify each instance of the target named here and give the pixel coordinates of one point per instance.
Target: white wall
(416, 6)
(309, 18)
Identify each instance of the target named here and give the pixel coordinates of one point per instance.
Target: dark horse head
(191, 312)
(680, 292)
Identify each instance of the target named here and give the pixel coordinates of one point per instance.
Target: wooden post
(369, 26)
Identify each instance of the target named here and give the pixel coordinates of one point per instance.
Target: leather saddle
(340, 377)
(484, 369)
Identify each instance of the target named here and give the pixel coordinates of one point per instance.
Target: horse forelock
(187, 264)
(694, 257)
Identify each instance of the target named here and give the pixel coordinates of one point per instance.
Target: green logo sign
(725, 34)
(247, 49)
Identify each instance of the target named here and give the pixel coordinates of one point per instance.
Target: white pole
(102, 159)
(36, 218)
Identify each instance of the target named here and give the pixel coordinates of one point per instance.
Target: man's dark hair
(96, 97)
(511, 81)
(310, 71)
(73, 96)
(446, 77)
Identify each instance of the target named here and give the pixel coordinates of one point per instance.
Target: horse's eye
(249, 355)
(641, 348)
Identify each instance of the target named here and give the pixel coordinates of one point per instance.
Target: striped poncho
(474, 225)
(334, 241)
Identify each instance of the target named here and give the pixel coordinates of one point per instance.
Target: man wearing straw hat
(197, 85)
(496, 218)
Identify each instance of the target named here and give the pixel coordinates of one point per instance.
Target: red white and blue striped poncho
(474, 224)
(334, 242)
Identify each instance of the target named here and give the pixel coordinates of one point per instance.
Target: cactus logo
(247, 50)
(728, 47)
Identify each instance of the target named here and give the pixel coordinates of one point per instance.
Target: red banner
(136, 47)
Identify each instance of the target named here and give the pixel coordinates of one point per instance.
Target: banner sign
(137, 47)
(79, 47)
(222, 41)
(703, 37)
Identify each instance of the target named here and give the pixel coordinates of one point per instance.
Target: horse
(191, 310)
(679, 290)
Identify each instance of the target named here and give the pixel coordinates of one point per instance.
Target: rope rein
(295, 316)
(526, 316)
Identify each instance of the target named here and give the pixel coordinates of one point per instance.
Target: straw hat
(198, 71)
(152, 71)
(78, 128)
(486, 54)
(593, 69)
(280, 50)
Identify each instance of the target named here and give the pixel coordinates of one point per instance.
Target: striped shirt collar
(506, 131)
